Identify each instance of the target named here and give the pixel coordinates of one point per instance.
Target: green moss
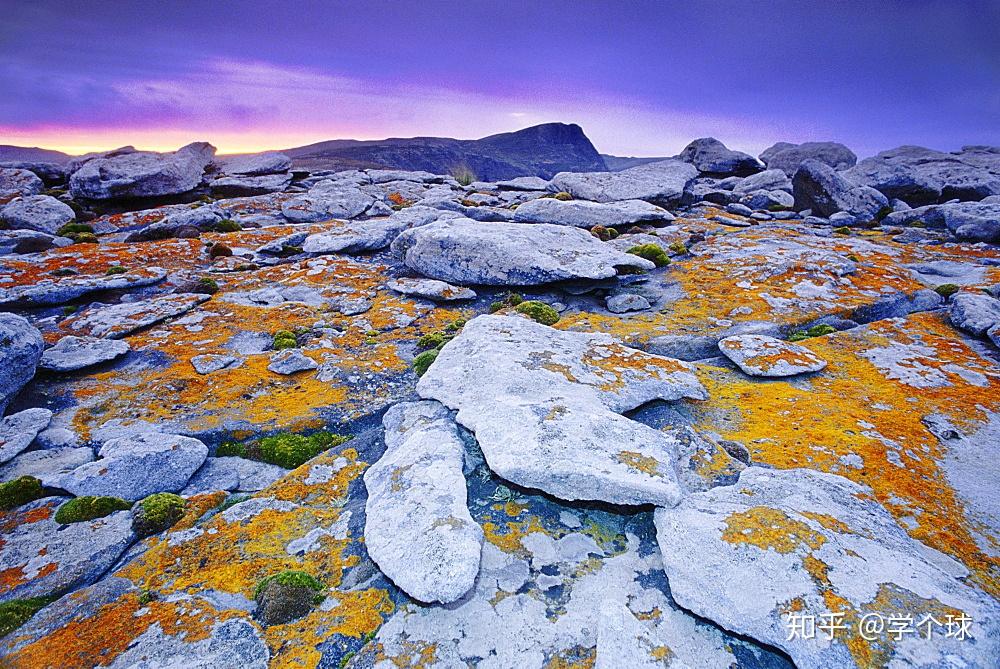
(69, 310)
(89, 507)
(651, 252)
(116, 269)
(422, 362)
(432, 340)
(946, 290)
(64, 271)
(157, 513)
(509, 300)
(83, 238)
(778, 207)
(918, 224)
(231, 501)
(820, 330)
(853, 258)
(883, 212)
(291, 578)
(679, 248)
(146, 596)
(284, 339)
(290, 450)
(463, 175)
(16, 612)
(74, 228)
(842, 230)
(207, 285)
(604, 233)
(561, 195)
(798, 335)
(539, 312)
(20, 491)
(231, 448)
(228, 225)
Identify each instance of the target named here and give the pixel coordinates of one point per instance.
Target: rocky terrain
(667, 416)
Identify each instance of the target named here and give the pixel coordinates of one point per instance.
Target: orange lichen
(770, 529)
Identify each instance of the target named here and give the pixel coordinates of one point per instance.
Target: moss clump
(678, 247)
(883, 212)
(64, 271)
(455, 325)
(651, 252)
(814, 331)
(778, 207)
(561, 195)
(231, 448)
(946, 290)
(228, 225)
(206, 286)
(284, 339)
(853, 258)
(89, 507)
(510, 300)
(69, 310)
(157, 513)
(432, 340)
(74, 229)
(20, 491)
(83, 238)
(605, 234)
(918, 224)
(842, 230)
(286, 596)
(219, 251)
(116, 269)
(422, 362)
(463, 175)
(16, 612)
(538, 312)
(290, 450)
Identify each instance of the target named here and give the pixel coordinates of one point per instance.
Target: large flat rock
(117, 320)
(586, 214)
(661, 183)
(140, 174)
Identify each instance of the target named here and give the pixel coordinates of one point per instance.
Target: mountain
(541, 150)
(10, 153)
(619, 163)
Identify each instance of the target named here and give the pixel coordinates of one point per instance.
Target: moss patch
(228, 225)
(287, 596)
(652, 253)
(422, 362)
(284, 339)
(539, 312)
(946, 290)
(115, 269)
(16, 612)
(20, 491)
(157, 513)
(89, 507)
(285, 449)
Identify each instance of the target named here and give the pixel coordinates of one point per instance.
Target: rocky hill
(9, 153)
(711, 411)
(541, 150)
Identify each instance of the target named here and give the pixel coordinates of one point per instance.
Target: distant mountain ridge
(9, 153)
(541, 150)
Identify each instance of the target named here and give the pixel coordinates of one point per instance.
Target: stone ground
(904, 415)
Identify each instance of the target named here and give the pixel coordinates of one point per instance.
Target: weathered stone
(355, 237)
(139, 174)
(974, 312)
(233, 473)
(19, 355)
(47, 465)
(971, 221)
(117, 320)
(71, 353)
(29, 241)
(431, 289)
(291, 361)
(327, 200)
(41, 213)
(766, 180)
(788, 157)
(49, 292)
(210, 362)
(806, 543)
(138, 466)
(15, 182)
(466, 252)
(625, 302)
(246, 185)
(660, 182)
(712, 157)
(546, 413)
(18, 430)
(760, 355)
(418, 528)
(586, 214)
(818, 187)
(256, 164)
(523, 183)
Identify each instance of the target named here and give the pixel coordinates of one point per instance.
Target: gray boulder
(49, 291)
(141, 174)
(818, 187)
(51, 174)
(29, 241)
(242, 185)
(712, 157)
(290, 361)
(114, 321)
(760, 355)
(431, 289)
(586, 214)
(976, 313)
(233, 473)
(47, 465)
(328, 200)
(625, 302)
(356, 236)
(71, 353)
(18, 430)
(789, 157)
(661, 182)
(968, 221)
(257, 164)
(768, 199)
(466, 252)
(766, 180)
(523, 183)
(20, 350)
(15, 182)
(418, 528)
(137, 466)
(37, 212)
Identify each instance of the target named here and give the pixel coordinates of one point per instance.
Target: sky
(642, 78)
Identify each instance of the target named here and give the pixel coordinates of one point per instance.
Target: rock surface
(71, 353)
(660, 183)
(18, 430)
(819, 188)
(585, 214)
(760, 355)
(712, 157)
(117, 320)
(431, 289)
(788, 157)
(141, 174)
(19, 355)
(41, 213)
(16, 182)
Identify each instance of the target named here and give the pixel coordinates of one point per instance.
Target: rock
(970, 221)
(466, 252)
(18, 430)
(417, 524)
(712, 157)
(779, 544)
(41, 557)
(245, 185)
(29, 241)
(760, 355)
(51, 174)
(768, 199)
(71, 353)
(256, 164)
(625, 302)
(327, 200)
(41, 213)
(16, 182)
(137, 466)
(994, 335)
(975, 313)
(227, 644)
(660, 182)
(49, 292)
(46, 465)
(818, 187)
(739, 209)
(290, 361)
(586, 214)
(684, 347)
(431, 289)
(20, 350)
(141, 174)
(355, 237)
(233, 473)
(545, 408)
(418, 176)
(789, 157)
(766, 180)
(178, 224)
(523, 183)
(210, 362)
(920, 176)
(57, 437)
(117, 320)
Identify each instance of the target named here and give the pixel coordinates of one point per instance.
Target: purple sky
(642, 78)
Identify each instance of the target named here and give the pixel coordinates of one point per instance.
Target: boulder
(233, 473)
(968, 221)
(545, 406)
(975, 313)
(781, 548)
(586, 214)
(51, 174)
(712, 157)
(18, 430)
(767, 200)
(766, 180)
(524, 184)
(328, 200)
(47, 465)
(290, 361)
(818, 187)
(210, 362)
(41, 213)
(355, 236)
(256, 164)
(789, 157)
(137, 466)
(41, 557)
(29, 241)
(173, 224)
(431, 289)
(15, 182)
(20, 350)
(625, 302)
(114, 321)
(142, 174)
(661, 182)
(72, 353)
(59, 291)
(418, 528)
(466, 252)
(246, 185)
(760, 355)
